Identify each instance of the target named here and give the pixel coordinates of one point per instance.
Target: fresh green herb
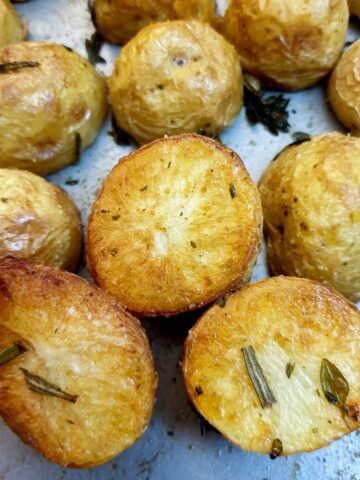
(232, 191)
(276, 449)
(290, 368)
(40, 385)
(193, 244)
(263, 391)
(143, 188)
(333, 383)
(10, 67)
(93, 47)
(198, 390)
(11, 352)
(70, 181)
(120, 136)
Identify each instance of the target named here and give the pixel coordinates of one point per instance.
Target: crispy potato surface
(11, 28)
(288, 44)
(80, 340)
(354, 6)
(311, 202)
(285, 320)
(176, 225)
(173, 78)
(38, 220)
(50, 109)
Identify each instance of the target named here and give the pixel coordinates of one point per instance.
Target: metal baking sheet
(174, 447)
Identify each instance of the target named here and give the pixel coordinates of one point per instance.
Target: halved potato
(78, 339)
(38, 220)
(52, 104)
(354, 6)
(292, 325)
(11, 28)
(176, 225)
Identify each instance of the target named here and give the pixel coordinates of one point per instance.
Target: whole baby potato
(288, 44)
(38, 220)
(344, 89)
(11, 28)
(176, 77)
(311, 200)
(52, 104)
(354, 6)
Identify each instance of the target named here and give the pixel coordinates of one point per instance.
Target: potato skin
(38, 220)
(79, 339)
(288, 44)
(177, 224)
(311, 201)
(11, 28)
(354, 6)
(46, 110)
(344, 89)
(284, 319)
(176, 77)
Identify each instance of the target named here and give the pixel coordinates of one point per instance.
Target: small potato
(11, 28)
(288, 44)
(354, 6)
(301, 331)
(311, 202)
(177, 224)
(344, 89)
(176, 77)
(37, 220)
(78, 340)
(52, 104)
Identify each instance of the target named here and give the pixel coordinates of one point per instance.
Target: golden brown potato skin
(344, 89)
(47, 109)
(311, 202)
(176, 77)
(79, 339)
(283, 319)
(177, 224)
(288, 44)
(11, 28)
(354, 6)
(38, 220)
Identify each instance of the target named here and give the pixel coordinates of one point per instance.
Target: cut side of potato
(302, 333)
(176, 225)
(91, 358)
(11, 28)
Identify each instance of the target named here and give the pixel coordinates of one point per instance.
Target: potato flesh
(11, 28)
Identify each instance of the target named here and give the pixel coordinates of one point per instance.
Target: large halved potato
(176, 77)
(80, 340)
(176, 225)
(288, 44)
(38, 220)
(311, 200)
(292, 324)
(11, 28)
(52, 104)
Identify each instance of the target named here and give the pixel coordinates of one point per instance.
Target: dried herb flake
(38, 384)
(333, 383)
(93, 47)
(13, 66)
(290, 366)
(276, 449)
(10, 352)
(232, 191)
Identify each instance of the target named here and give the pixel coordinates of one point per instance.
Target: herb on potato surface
(198, 390)
(11, 352)
(40, 385)
(276, 448)
(333, 383)
(232, 191)
(77, 148)
(290, 366)
(93, 47)
(13, 66)
(70, 181)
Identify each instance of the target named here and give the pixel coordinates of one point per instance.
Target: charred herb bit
(290, 366)
(67, 48)
(334, 384)
(114, 252)
(232, 191)
(263, 391)
(93, 47)
(115, 217)
(77, 148)
(143, 189)
(276, 449)
(10, 67)
(300, 137)
(40, 385)
(70, 181)
(4, 199)
(198, 390)
(193, 244)
(11, 352)
(120, 136)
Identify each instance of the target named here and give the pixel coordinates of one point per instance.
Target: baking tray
(176, 446)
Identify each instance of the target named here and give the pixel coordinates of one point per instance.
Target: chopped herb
(276, 449)
(232, 191)
(4, 199)
(70, 421)
(93, 47)
(70, 181)
(333, 383)
(169, 165)
(193, 244)
(120, 136)
(300, 137)
(290, 366)
(40, 385)
(315, 430)
(198, 390)
(68, 48)
(104, 211)
(13, 66)
(144, 188)
(222, 300)
(263, 391)
(11, 352)
(77, 148)
(114, 252)
(115, 217)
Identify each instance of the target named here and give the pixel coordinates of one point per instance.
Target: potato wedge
(80, 340)
(11, 28)
(176, 225)
(285, 320)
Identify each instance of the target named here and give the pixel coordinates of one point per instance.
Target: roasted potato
(173, 78)
(176, 225)
(354, 6)
(52, 104)
(11, 28)
(209, 11)
(84, 388)
(288, 44)
(292, 334)
(311, 201)
(37, 220)
(344, 89)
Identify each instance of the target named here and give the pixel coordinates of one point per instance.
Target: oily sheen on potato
(311, 201)
(301, 333)
(11, 28)
(52, 104)
(176, 225)
(176, 77)
(38, 220)
(288, 44)
(83, 389)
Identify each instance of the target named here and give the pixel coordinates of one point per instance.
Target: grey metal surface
(173, 447)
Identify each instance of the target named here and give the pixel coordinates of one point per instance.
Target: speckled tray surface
(175, 446)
